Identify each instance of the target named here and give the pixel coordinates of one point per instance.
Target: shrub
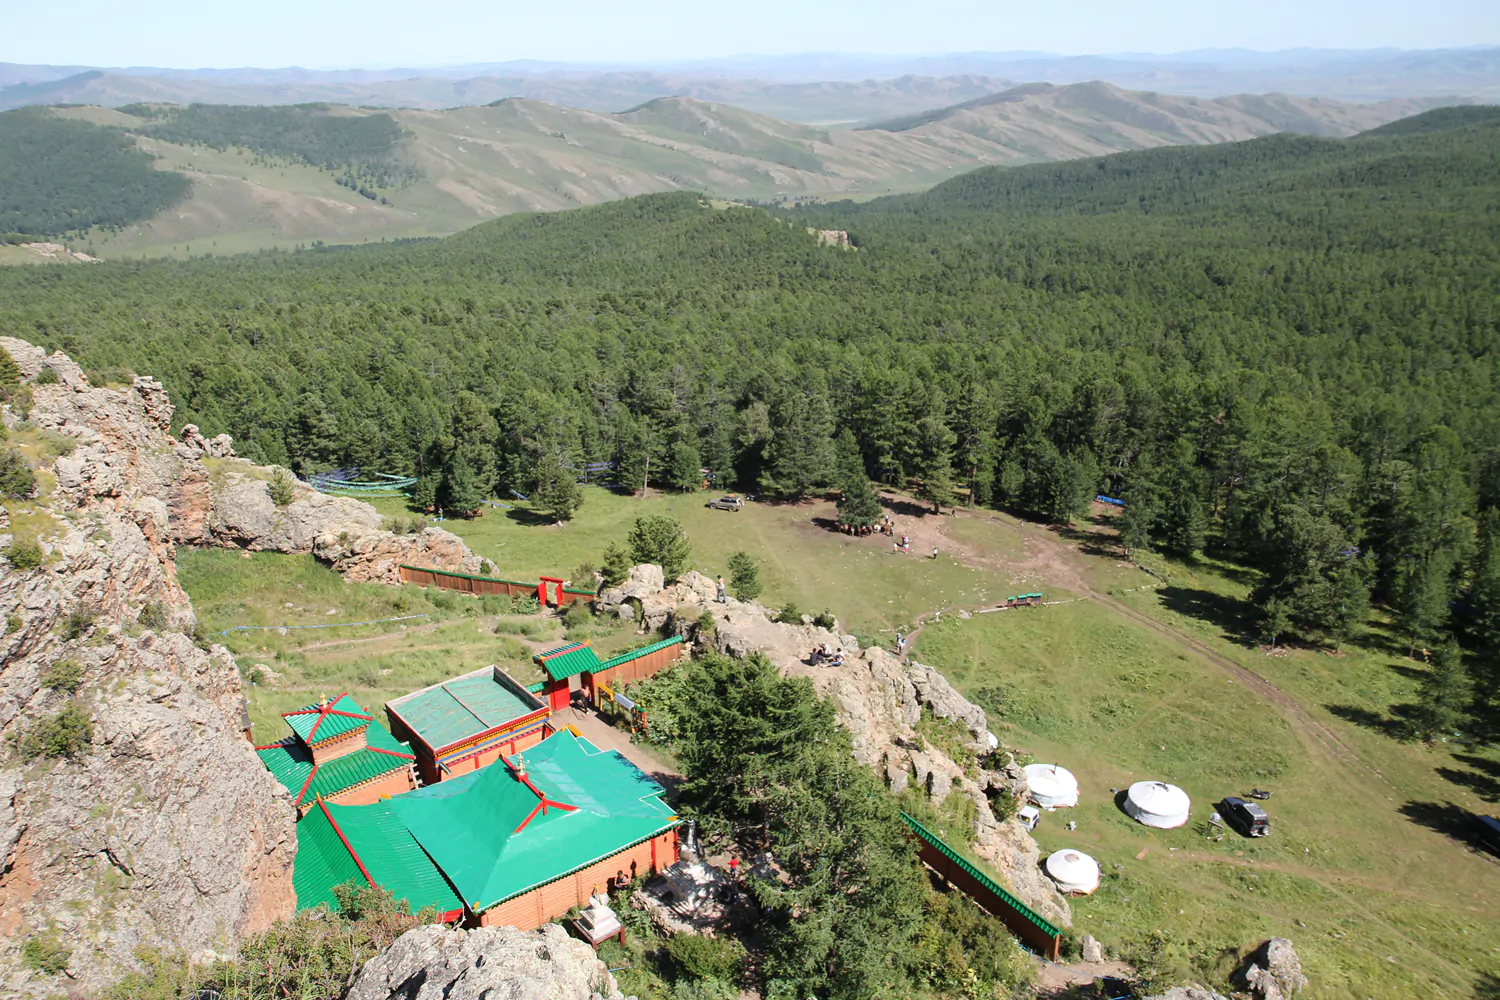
(60, 735)
(153, 616)
(525, 604)
(56, 444)
(660, 539)
(487, 568)
(16, 478)
(13, 624)
(64, 675)
(283, 487)
(578, 614)
(583, 576)
(444, 601)
(401, 525)
(707, 626)
(47, 957)
(616, 565)
(21, 400)
(24, 553)
(789, 615)
(826, 620)
(744, 577)
(707, 958)
(200, 636)
(47, 376)
(79, 621)
(496, 604)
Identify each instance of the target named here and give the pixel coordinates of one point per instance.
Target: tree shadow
(1089, 542)
(1448, 819)
(1482, 785)
(528, 518)
(1489, 767)
(1375, 721)
(1487, 987)
(1235, 617)
(905, 507)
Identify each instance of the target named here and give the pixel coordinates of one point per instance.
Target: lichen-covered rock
(28, 357)
(1274, 972)
(195, 444)
(487, 963)
(377, 556)
(245, 515)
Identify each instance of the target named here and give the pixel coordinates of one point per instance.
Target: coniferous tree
(616, 565)
(660, 539)
(684, 467)
(462, 493)
(744, 577)
(557, 489)
(859, 505)
(1443, 700)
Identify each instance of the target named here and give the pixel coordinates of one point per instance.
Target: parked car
(1029, 816)
(727, 503)
(1246, 817)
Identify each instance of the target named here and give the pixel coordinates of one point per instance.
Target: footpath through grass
(1376, 901)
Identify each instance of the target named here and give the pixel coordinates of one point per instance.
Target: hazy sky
(382, 33)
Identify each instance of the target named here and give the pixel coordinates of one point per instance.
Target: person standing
(723, 590)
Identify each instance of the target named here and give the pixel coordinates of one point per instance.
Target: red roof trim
(303, 792)
(345, 840)
(450, 916)
(517, 723)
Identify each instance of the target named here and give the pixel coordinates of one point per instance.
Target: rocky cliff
(133, 811)
(880, 700)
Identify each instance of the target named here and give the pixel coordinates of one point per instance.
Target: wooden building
(575, 666)
(516, 845)
(334, 753)
(463, 724)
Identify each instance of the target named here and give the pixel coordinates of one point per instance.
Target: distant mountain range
(819, 88)
(463, 166)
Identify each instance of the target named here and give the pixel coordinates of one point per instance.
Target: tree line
(1280, 351)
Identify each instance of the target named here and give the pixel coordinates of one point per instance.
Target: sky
(385, 33)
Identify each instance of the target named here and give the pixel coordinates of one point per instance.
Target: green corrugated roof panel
(316, 723)
(469, 825)
(392, 857)
(378, 737)
(322, 862)
(352, 769)
(636, 653)
(982, 878)
(565, 661)
(446, 713)
(289, 763)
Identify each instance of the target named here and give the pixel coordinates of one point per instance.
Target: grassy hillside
(289, 176)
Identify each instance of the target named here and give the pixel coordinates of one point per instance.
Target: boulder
(1092, 950)
(1274, 972)
(28, 357)
(487, 963)
(198, 446)
(702, 587)
(645, 578)
(944, 702)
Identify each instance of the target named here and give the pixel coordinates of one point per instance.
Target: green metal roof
(381, 843)
(921, 831)
(466, 706)
(291, 764)
(316, 723)
(565, 661)
(637, 653)
(485, 832)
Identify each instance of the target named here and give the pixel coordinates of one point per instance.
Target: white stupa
(1158, 804)
(1052, 785)
(1073, 871)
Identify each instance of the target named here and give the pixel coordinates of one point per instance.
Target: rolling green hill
(284, 176)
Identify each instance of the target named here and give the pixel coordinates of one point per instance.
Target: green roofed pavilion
(635, 654)
(567, 661)
(338, 844)
(467, 706)
(495, 836)
(327, 720)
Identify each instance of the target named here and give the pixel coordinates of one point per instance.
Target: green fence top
(636, 654)
(921, 831)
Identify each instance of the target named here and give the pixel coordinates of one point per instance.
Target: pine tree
(10, 372)
(1444, 696)
(1422, 601)
(935, 452)
(461, 490)
(859, 505)
(1276, 620)
(424, 494)
(557, 489)
(1184, 525)
(684, 467)
(616, 565)
(744, 577)
(660, 539)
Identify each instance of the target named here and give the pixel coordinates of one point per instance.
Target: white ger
(1074, 872)
(1051, 785)
(1158, 804)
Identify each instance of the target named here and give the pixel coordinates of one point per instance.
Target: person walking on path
(723, 590)
(934, 552)
(900, 644)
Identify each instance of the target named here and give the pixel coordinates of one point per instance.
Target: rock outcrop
(1274, 972)
(880, 701)
(488, 963)
(160, 828)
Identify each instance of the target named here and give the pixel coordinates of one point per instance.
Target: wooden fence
(467, 583)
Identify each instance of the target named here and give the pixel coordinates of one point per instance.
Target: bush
(707, 626)
(660, 539)
(64, 675)
(283, 487)
(583, 576)
(487, 568)
(16, 478)
(13, 624)
(60, 735)
(153, 616)
(400, 525)
(744, 577)
(789, 615)
(79, 621)
(57, 445)
(444, 601)
(47, 377)
(707, 958)
(525, 604)
(24, 553)
(616, 565)
(578, 614)
(21, 400)
(47, 957)
(826, 620)
(200, 636)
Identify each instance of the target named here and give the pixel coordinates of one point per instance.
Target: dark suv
(1246, 817)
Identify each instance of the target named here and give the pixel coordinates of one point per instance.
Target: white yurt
(1073, 871)
(1158, 804)
(1051, 785)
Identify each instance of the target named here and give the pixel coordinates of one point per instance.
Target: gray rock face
(164, 831)
(488, 963)
(1274, 972)
(193, 440)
